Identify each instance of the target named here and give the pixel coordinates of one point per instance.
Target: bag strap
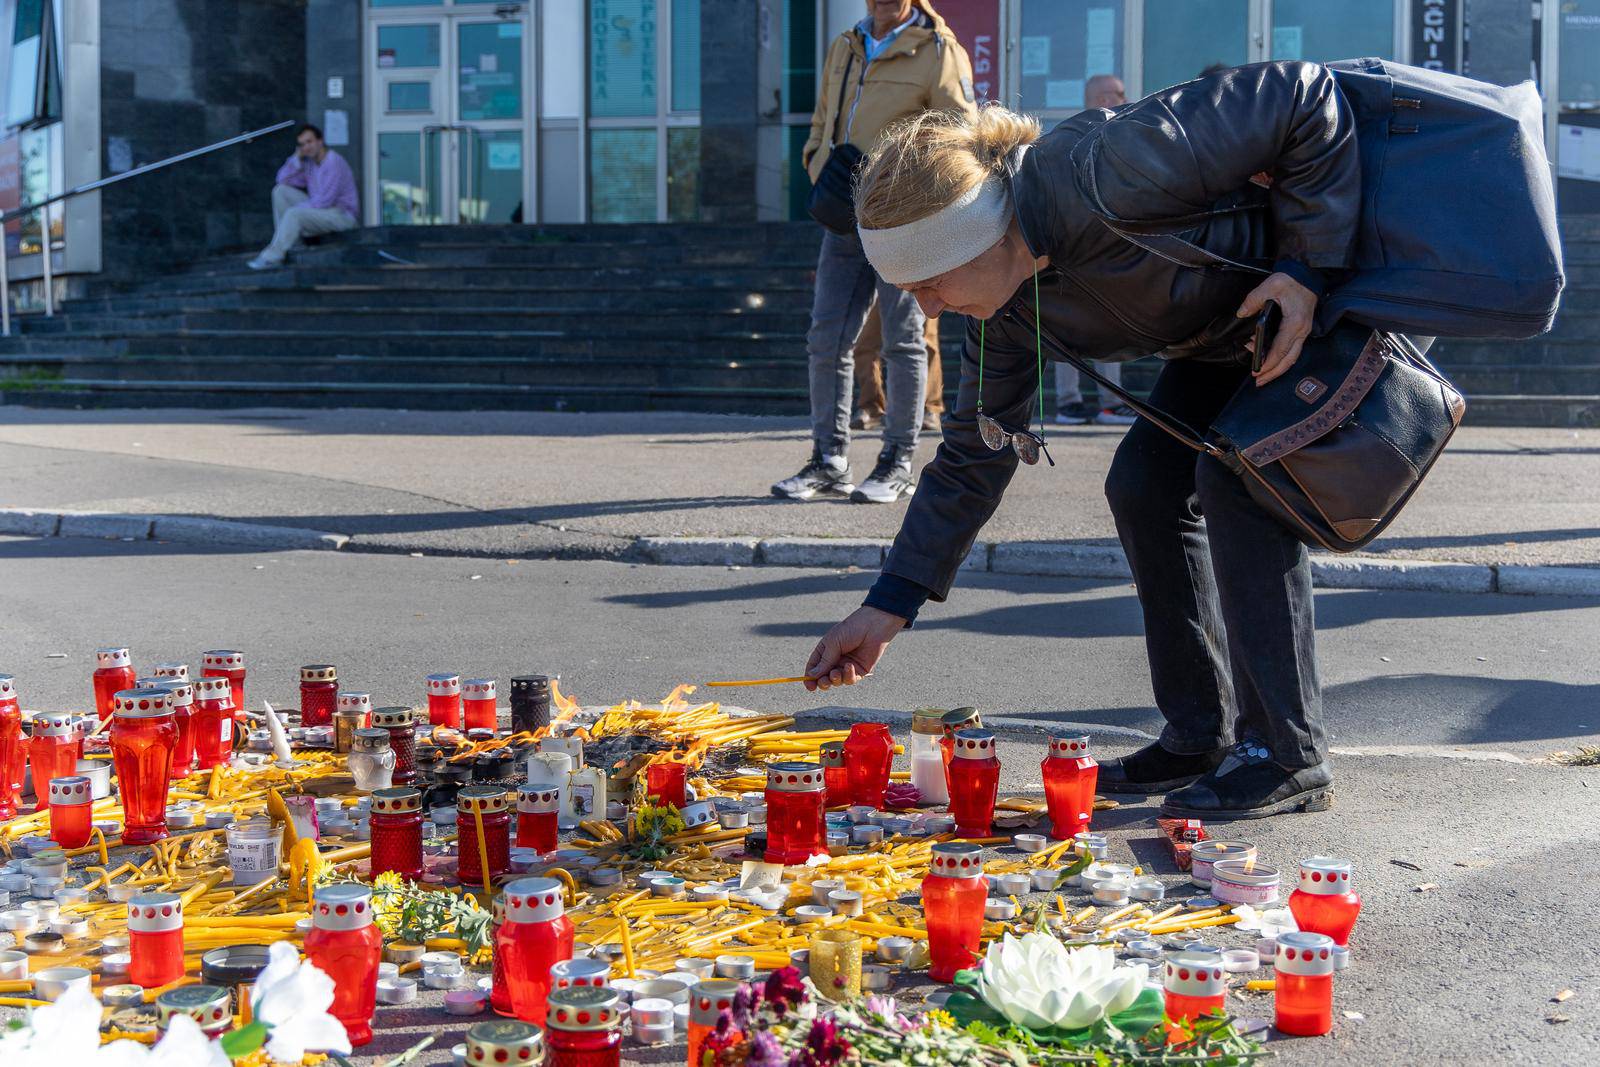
(838, 104)
(1171, 424)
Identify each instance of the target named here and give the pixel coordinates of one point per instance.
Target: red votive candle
(143, 735)
(1324, 903)
(444, 700)
(959, 719)
(953, 895)
(869, 753)
(1070, 774)
(319, 685)
(504, 1041)
(400, 723)
(1194, 986)
(707, 1002)
(70, 802)
(796, 813)
(1303, 999)
(52, 752)
(974, 782)
(492, 804)
(535, 936)
(665, 782)
(835, 774)
(13, 747)
(584, 1028)
(344, 942)
(226, 663)
(183, 714)
(537, 809)
(155, 939)
(478, 704)
(212, 722)
(357, 706)
(397, 832)
(114, 673)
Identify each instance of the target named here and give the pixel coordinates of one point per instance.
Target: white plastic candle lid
(652, 1011)
(396, 989)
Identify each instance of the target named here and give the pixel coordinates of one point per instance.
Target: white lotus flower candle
(1037, 982)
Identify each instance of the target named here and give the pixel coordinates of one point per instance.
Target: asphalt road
(1441, 708)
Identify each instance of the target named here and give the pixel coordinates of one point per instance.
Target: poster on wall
(622, 58)
(976, 24)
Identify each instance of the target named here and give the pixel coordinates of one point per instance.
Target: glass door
(448, 106)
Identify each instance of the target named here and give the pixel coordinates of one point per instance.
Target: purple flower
(785, 990)
(764, 1051)
(745, 1002)
(825, 1046)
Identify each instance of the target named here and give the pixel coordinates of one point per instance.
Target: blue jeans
(843, 298)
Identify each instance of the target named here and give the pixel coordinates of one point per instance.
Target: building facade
(508, 112)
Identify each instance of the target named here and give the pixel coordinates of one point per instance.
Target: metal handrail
(88, 187)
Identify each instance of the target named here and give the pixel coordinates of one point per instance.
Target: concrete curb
(1054, 559)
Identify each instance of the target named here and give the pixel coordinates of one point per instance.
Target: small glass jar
(13, 747)
(953, 721)
(1303, 966)
(530, 703)
(71, 802)
(319, 686)
(869, 751)
(835, 774)
(1324, 903)
(346, 945)
(212, 722)
(584, 1028)
(208, 1005)
(535, 935)
(927, 727)
(836, 964)
(490, 805)
(504, 1041)
(143, 735)
(666, 782)
(478, 708)
(52, 750)
(371, 760)
(397, 832)
(796, 813)
(974, 783)
(182, 691)
(400, 724)
(707, 1001)
(1070, 775)
(444, 700)
(953, 897)
(225, 663)
(538, 807)
(155, 939)
(113, 673)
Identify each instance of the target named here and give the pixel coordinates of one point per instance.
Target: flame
(1249, 864)
(676, 697)
(566, 704)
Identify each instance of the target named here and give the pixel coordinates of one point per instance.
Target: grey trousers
(1068, 390)
(845, 285)
(296, 221)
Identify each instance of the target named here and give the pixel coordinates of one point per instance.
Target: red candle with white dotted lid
(796, 798)
(580, 972)
(707, 1002)
(400, 722)
(1194, 985)
(1303, 999)
(13, 747)
(1070, 775)
(974, 782)
(504, 1041)
(953, 896)
(144, 734)
(535, 936)
(444, 700)
(70, 801)
(183, 714)
(584, 1028)
(1325, 903)
(538, 807)
(112, 674)
(344, 943)
(478, 704)
(352, 703)
(155, 939)
(225, 663)
(208, 1005)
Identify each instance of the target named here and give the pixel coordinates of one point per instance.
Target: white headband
(943, 241)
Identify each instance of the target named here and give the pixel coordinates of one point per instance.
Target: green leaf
(1142, 1014)
(1076, 867)
(239, 1043)
(966, 979)
(967, 1009)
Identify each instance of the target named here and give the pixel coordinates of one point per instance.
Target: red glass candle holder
(953, 896)
(1193, 985)
(52, 752)
(444, 700)
(212, 722)
(155, 939)
(1324, 903)
(666, 781)
(950, 724)
(143, 736)
(226, 663)
(13, 747)
(535, 936)
(71, 800)
(796, 813)
(869, 753)
(344, 942)
(835, 774)
(498, 1042)
(974, 782)
(1070, 774)
(177, 671)
(400, 722)
(491, 804)
(478, 709)
(584, 1028)
(1303, 999)
(319, 685)
(113, 673)
(397, 832)
(537, 809)
(707, 1002)
(183, 714)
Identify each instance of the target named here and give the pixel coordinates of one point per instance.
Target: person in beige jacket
(898, 61)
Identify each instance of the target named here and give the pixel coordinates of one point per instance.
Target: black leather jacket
(1180, 152)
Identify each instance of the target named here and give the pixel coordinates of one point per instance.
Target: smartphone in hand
(1267, 323)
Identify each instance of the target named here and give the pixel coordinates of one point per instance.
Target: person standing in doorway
(314, 193)
(897, 62)
(1101, 91)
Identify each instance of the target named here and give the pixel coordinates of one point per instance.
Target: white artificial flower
(68, 1031)
(1037, 982)
(293, 999)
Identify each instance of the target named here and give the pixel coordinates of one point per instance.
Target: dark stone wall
(180, 74)
(333, 50)
(729, 76)
(1500, 47)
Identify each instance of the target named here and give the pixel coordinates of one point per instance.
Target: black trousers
(1226, 589)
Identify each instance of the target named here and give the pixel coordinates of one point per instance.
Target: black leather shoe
(1248, 784)
(1153, 769)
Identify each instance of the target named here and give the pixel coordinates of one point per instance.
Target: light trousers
(295, 221)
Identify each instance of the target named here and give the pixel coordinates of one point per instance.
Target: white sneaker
(890, 479)
(263, 264)
(822, 474)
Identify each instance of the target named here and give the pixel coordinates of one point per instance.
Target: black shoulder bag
(833, 201)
